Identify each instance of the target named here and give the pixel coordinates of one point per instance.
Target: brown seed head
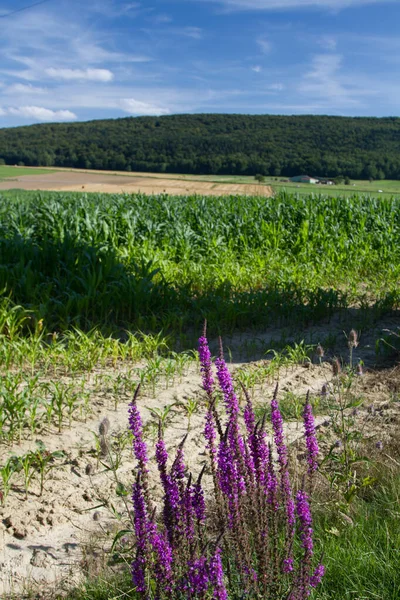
(336, 366)
(104, 426)
(320, 352)
(353, 339)
(104, 447)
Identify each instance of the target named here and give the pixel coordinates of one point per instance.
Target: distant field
(7, 172)
(123, 181)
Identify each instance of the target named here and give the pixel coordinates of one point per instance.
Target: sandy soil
(54, 539)
(113, 184)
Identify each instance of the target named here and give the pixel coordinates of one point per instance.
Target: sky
(77, 60)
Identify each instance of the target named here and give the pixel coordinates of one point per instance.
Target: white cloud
(264, 45)
(39, 113)
(256, 69)
(325, 81)
(22, 88)
(103, 75)
(136, 107)
(294, 4)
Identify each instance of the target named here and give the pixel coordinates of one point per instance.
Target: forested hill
(215, 143)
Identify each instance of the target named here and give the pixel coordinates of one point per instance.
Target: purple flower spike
(311, 440)
(206, 365)
(199, 504)
(140, 525)
(210, 434)
(198, 577)
(305, 519)
(217, 577)
(163, 567)
(136, 427)
(317, 576)
(288, 565)
(226, 384)
(277, 425)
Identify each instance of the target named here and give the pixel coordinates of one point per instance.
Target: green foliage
(210, 143)
(160, 262)
(361, 553)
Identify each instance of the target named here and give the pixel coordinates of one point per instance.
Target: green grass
(7, 172)
(362, 560)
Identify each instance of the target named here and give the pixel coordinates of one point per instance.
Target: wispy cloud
(103, 75)
(136, 107)
(325, 81)
(264, 44)
(256, 69)
(38, 113)
(24, 89)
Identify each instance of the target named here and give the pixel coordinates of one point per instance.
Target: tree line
(356, 147)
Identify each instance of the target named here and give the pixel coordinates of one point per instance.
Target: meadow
(7, 172)
(100, 293)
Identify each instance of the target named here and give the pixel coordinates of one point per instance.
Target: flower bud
(336, 367)
(353, 339)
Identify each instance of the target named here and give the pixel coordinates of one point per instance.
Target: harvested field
(78, 181)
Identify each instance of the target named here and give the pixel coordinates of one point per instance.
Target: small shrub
(253, 537)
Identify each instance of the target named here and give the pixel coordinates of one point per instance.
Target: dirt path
(78, 181)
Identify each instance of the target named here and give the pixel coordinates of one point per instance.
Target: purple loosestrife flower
(228, 478)
(277, 425)
(187, 513)
(286, 490)
(260, 455)
(226, 385)
(198, 577)
(232, 407)
(305, 520)
(206, 365)
(210, 434)
(311, 440)
(288, 565)
(178, 468)
(272, 482)
(164, 557)
(141, 533)
(249, 416)
(306, 537)
(217, 577)
(135, 425)
(171, 490)
(317, 576)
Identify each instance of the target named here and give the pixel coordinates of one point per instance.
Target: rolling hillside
(361, 148)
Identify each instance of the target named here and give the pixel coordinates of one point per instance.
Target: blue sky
(69, 60)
